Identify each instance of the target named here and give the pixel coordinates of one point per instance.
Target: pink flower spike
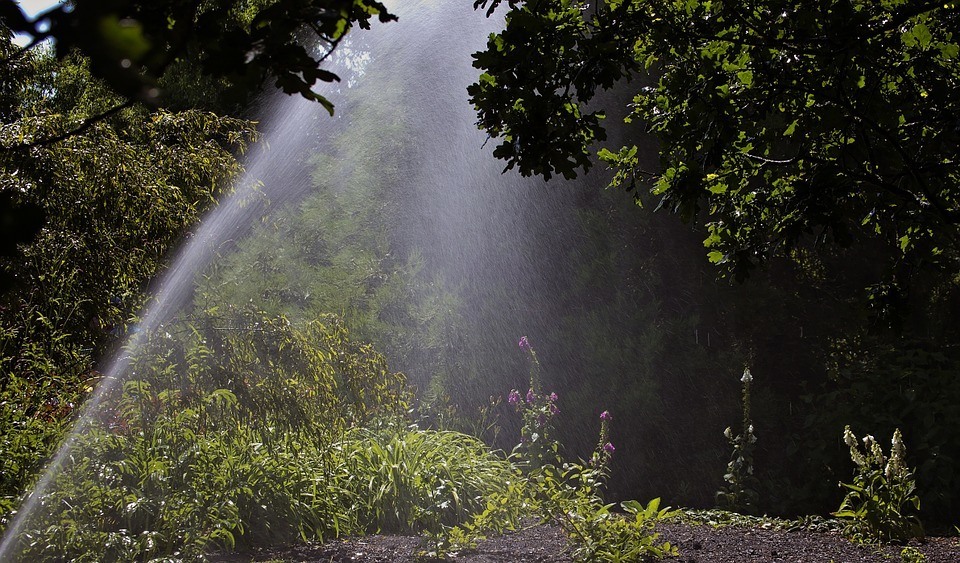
(523, 342)
(605, 415)
(608, 447)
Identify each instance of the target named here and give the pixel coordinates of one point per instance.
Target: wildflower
(530, 395)
(890, 471)
(747, 377)
(605, 415)
(873, 449)
(849, 438)
(541, 420)
(554, 409)
(552, 397)
(608, 448)
(895, 467)
(524, 343)
(897, 450)
(514, 397)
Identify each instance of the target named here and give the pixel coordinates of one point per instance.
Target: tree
(787, 123)
(131, 43)
(138, 46)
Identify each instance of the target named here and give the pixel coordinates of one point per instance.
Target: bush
(175, 490)
(222, 439)
(34, 414)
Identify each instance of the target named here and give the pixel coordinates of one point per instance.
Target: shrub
(175, 490)
(34, 414)
(219, 441)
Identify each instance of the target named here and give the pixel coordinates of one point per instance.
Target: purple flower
(554, 409)
(605, 415)
(530, 395)
(541, 420)
(552, 397)
(524, 343)
(608, 447)
(514, 397)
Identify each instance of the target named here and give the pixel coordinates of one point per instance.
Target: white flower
(848, 437)
(747, 377)
(898, 451)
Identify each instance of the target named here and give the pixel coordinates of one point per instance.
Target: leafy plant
(571, 497)
(412, 480)
(34, 414)
(912, 555)
(740, 494)
(537, 445)
(223, 440)
(175, 488)
(880, 504)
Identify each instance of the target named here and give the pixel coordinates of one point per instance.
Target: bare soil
(696, 543)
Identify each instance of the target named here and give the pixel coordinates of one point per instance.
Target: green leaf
(949, 51)
(922, 34)
(606, 155)
(745, 77)
(904, 242)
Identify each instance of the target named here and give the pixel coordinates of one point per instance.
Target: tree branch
(86, 124)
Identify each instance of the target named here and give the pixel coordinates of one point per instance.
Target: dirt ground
(696, 543)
